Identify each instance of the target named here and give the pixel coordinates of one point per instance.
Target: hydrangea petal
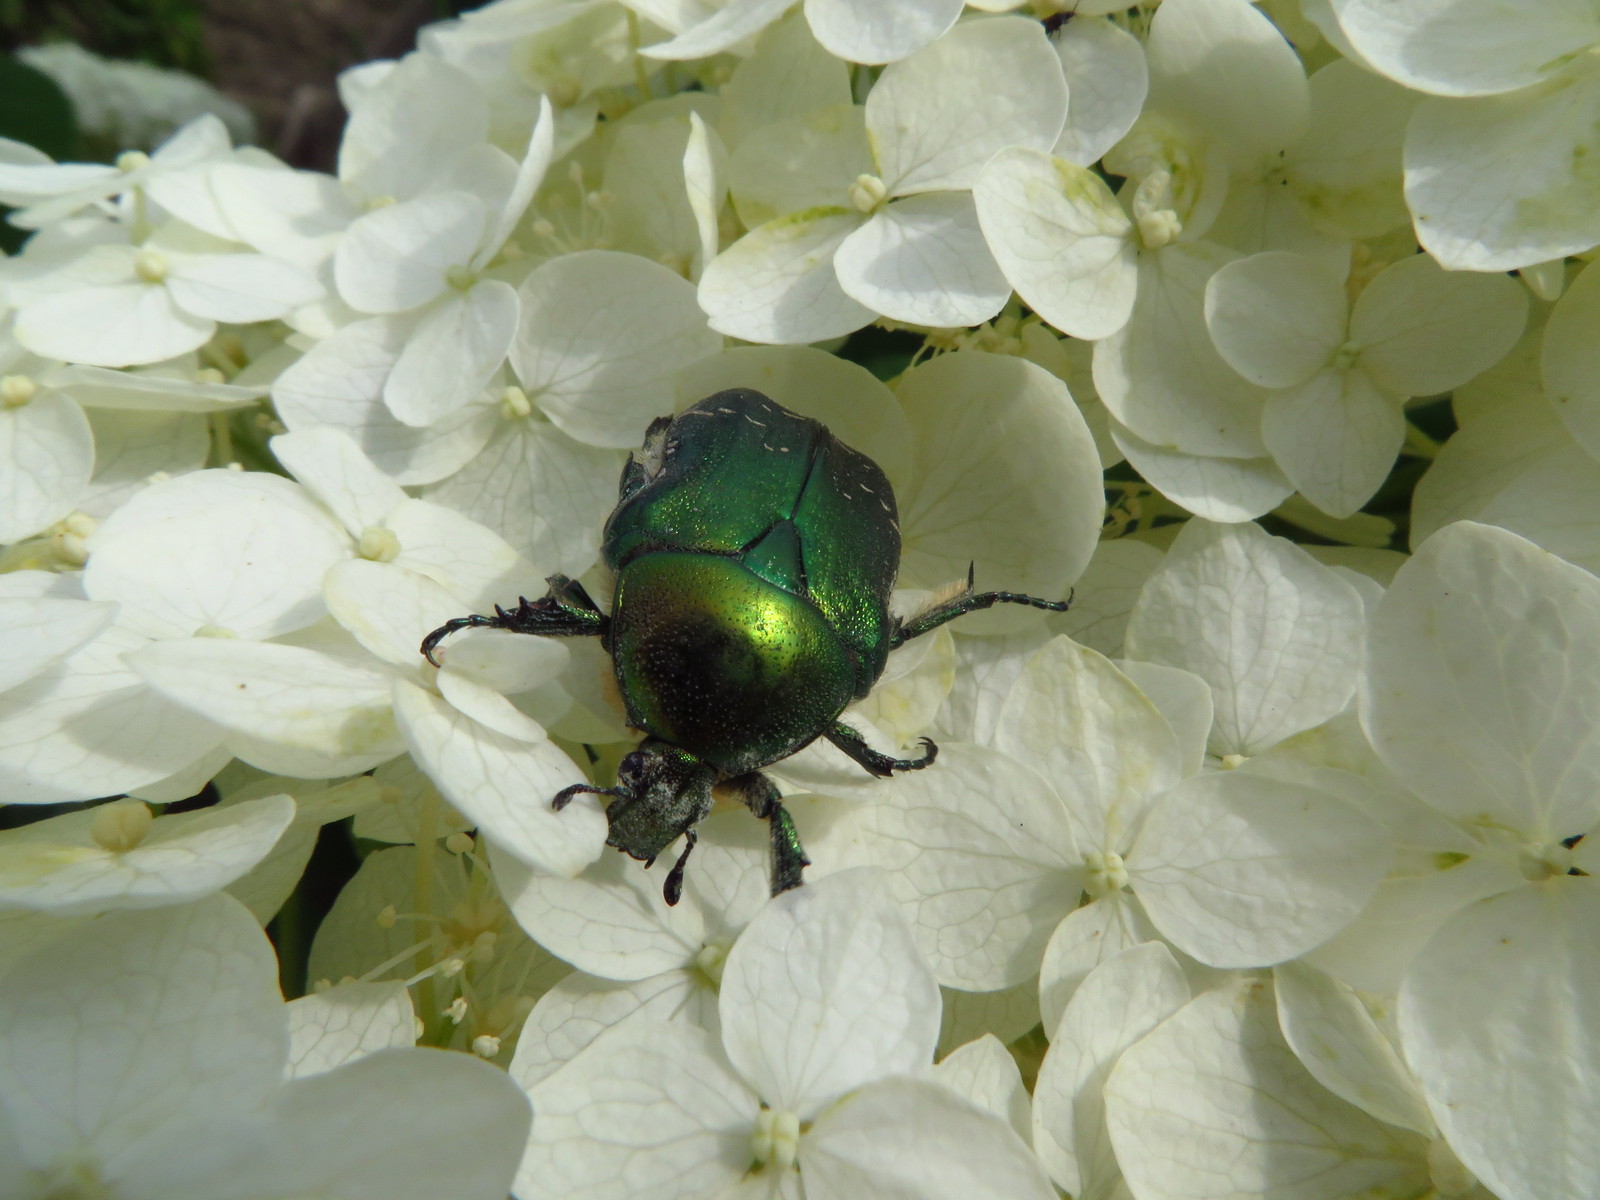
(1467, 47)
(46, 456)
(777, 284)
(1120, 1001)
(36, 633)
(328, 1029)
(675, 1118)
(1212, 1103)
(881, 31)
(1217, 489)
(1241, 871)
(121, 325)
(1424, 330)
(1061, 239)
(239, 288)
(859, 1148)
(985, 884)
(1277, 318)
(503, 786)
(1012, 485)
(1507, 1069)
(1335, 436)
(189, 1026)
(305, 713)
(1276, 634)
(1474, 694)
(1500, 182)
(452, 353)
(395, 257)
(1570, 359)
(923, 260)
(601, 334)
(58, 865)
(339, 382)
(241, 551)
(724, 28)
(1105, 68)
(330, 466)
(825, 991)
(935, 118)
(1333, 1034)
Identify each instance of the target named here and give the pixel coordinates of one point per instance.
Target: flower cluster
(1261, 871)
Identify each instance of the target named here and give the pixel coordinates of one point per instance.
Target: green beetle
(754, 554)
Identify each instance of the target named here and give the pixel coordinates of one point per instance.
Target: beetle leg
(565, 795)
(881, 765)
(789, 859)
(961, 604)
(566, 610)
(673, 892)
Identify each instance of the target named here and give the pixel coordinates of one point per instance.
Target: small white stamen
(387, 916)
(379, 544)
(458, 843)
(121, 825)
(514, 403)
(776, 1139)
(867, 193)
(151, 266)
(17, 390)
(486, 1045)
(1107, 873)
(214, 631)
(457, 1012)
(1233, 761)
(130, 161)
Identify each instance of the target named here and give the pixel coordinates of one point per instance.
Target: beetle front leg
(762, 797)
(881, 765)
(962, 603)
(566, 610)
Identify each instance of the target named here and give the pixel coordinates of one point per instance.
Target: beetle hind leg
(762, 797)
(881, 765)
(963, 602)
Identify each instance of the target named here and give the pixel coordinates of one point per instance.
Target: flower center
(867, 193)
(151, 266)
(709, 962)
(776, 1139)
(1107, 873)
(379, 544)
(130, 161)
(17, 390)
(1540, 862)
(121, 825)
(514, 403)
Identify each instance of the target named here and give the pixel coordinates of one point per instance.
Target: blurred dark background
(278, 58)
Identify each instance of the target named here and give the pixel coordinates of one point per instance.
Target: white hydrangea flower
(47, 192)
(55, 458)
(1277, 636)
(121, 855)
(197, 1100)
(893, 229)
(810, 1090)
(1471, 699)
(428, 258)
(1494, 157)
(1215, 1097)
(128, 303)
(1100, 810)
(1340, 373)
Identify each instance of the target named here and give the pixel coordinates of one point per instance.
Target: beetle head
(662, 793)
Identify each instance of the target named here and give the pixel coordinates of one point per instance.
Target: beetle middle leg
(881, 765)
(963, 602)
(762, 797)
(566, 610)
